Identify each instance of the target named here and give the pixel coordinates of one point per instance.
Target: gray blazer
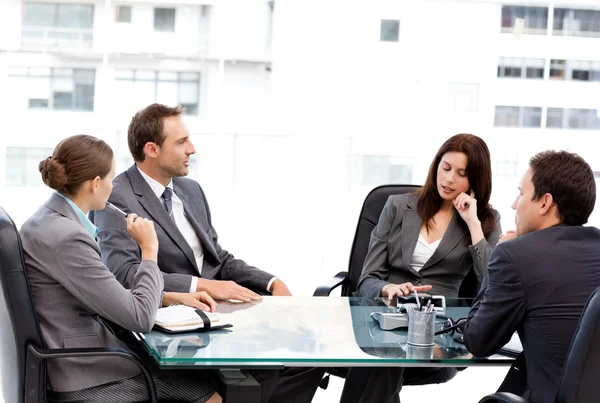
(71, 286)
(121, 253)
(393, 242)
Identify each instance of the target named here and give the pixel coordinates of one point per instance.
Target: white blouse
(423, 252)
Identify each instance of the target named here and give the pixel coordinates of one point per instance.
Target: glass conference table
(282, 332)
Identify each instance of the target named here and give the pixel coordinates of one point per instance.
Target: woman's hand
(142, 231)
(466, 205)
(391, 290)
(200, 300)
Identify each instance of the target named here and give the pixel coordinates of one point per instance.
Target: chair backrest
(19, 304)
(579, 382)
(368, 219)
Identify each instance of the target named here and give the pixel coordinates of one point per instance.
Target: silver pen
(118, 210)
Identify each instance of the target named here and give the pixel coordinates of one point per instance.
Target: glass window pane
(75, 16)
(532, 117)
(164, 19)
(166, 93)
(124, 74)
(188, 92)
(145, 75)
(167, 76)
(62, 100)
(189, 76)
(124, 14)
(39, 14)
(535, 72)
(506, 116)
(554, 119)
(390, 30)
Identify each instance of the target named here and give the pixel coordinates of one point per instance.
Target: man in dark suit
(155, 187)
(189, 254)
(541, 276)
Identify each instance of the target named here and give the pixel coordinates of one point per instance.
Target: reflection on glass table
(309, 331)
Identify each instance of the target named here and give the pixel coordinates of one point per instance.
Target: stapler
(390, 320)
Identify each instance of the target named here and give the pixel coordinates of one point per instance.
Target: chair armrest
(503, 397)
(35, 355)
(325, 289)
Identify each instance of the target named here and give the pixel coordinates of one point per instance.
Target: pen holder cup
(421, 327)
(419, 352)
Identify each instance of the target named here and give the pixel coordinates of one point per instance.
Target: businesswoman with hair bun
(71, 287)
(430, 241)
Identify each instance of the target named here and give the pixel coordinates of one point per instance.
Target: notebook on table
(182, 318)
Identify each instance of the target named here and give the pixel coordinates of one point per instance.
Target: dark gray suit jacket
(393, 242)
(132, 194)
(537, 285)
(71, 286)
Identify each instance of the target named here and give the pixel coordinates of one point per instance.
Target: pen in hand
(118, 210)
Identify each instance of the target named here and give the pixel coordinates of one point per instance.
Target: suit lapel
(411, 227)
(453, 235)
(157, 212)
(192, 216)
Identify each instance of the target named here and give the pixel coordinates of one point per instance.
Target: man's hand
(220, 289)
(200, 300)
(279, 289)
(508, 236)
(391, 290)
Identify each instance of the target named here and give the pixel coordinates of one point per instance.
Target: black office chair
(579, 380)
(367, 220)
(28, 343)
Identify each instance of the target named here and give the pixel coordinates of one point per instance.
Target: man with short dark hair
(155, 187)
(540, 277)
(189, 255)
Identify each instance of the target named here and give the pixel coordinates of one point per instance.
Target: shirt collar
(89, 227)
(156, 186)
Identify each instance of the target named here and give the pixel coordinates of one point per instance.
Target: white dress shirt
(184, 226)
(423, 251)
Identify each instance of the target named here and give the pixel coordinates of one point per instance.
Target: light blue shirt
(89, 226)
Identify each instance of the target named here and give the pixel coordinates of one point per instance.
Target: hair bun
(53, 173)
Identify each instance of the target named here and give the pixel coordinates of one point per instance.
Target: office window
(563, 118)
(557, 69)
(575, 22)
(164, 19)
(518, 67)
(58, 24)
(22, 164)
(124, 14)
(554, 118)
(58, 89)
(390, 30)
(374, 170)
(141, 87)
(583, 70)
(536, 19)
(507, 164)
(518, 116)
(583, 119)
(577, 70)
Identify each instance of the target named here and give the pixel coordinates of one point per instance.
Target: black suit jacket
(537, 285)
(121, 254)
